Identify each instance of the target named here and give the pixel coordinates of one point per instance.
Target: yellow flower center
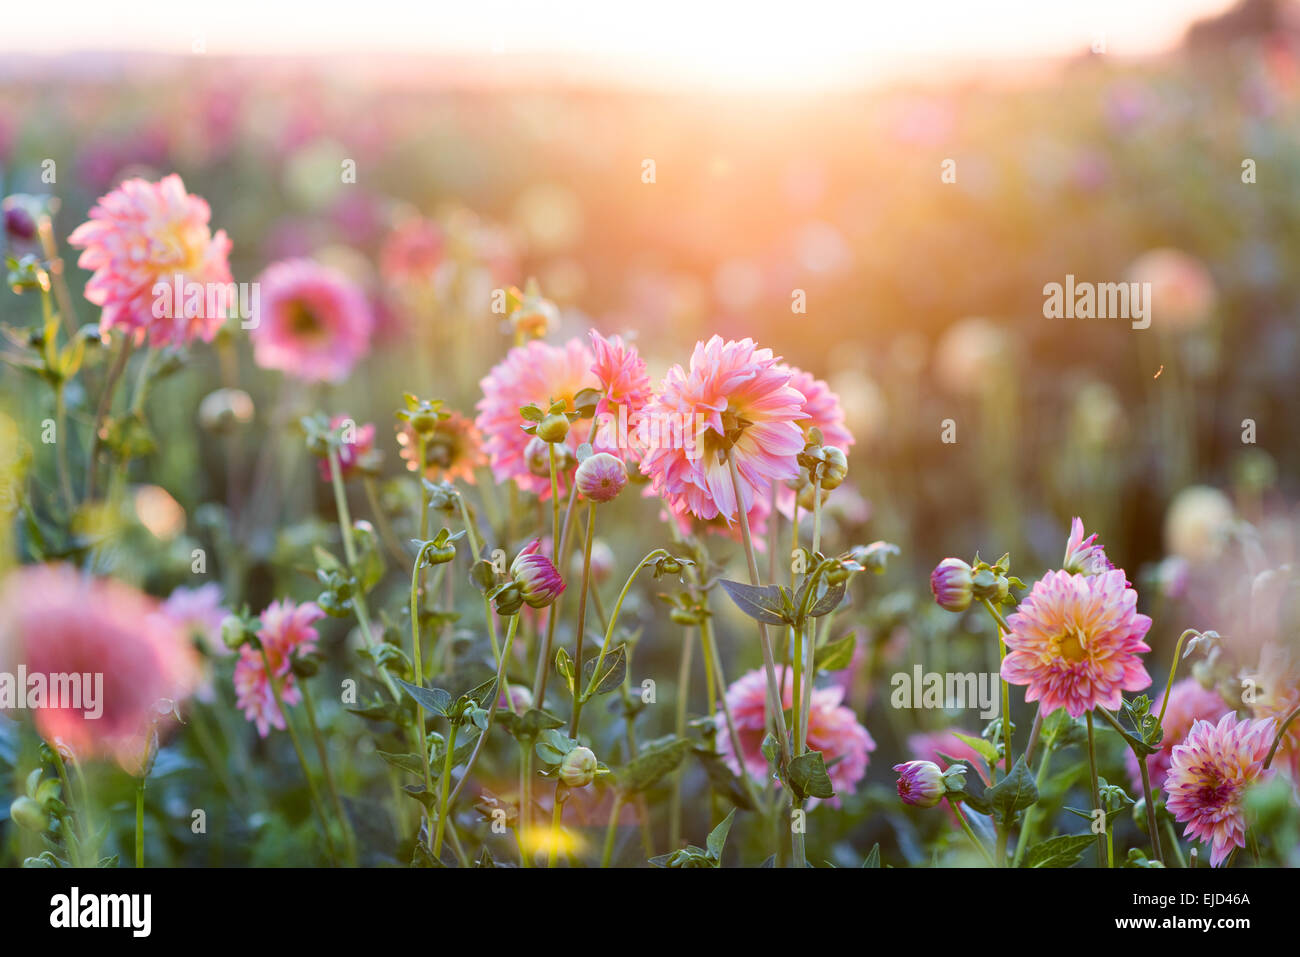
(1071, 647)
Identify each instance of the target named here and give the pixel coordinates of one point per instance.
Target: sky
(787, 44)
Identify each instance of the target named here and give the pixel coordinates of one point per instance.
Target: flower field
(396, 474)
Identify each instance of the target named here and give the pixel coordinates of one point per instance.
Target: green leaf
(767, 604)
(987, 750)
(434, 700)
(529, 725)
(823, 605)
(722, 780)
(808, 778)
(1062, 851)
(404, 762)
(717, 839)
(481, 694)
(612, 670)
(1013, 793)
(873, 859)
(651, 764)
(836, 655)
(552, 746)
(973, 791)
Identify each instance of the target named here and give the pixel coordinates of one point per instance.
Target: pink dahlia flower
(531, 374)
(56, 621)
(1075, 642)
(143, 234)
(286, 633)
(1208, 777)
(1084, 556)
(311, 323)
(625, 390)
(823, 408)
(731, 388)
(832, 729)
(1188, 703)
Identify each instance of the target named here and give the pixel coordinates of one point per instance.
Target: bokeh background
(924, 297)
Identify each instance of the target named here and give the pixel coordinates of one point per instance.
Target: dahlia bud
(578, 769)
(20, 226)
(539, 583)
(508, 600)
(554, 428)
(835, 467)
(521, 696)
(234, 632)
(538, 456)
(535, 316)
(225, 409)
(920, 783)
(29, 814)
(601, 477)
(952, 584)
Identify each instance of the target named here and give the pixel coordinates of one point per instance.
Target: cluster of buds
(820, 466)
(551, 426)
(955, 584)
(530, 315)
(925, 784)
(533, 581)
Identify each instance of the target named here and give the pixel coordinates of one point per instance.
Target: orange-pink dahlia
(1075, 642)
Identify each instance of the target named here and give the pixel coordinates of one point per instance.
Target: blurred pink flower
(531, 374)
(199, 612)
(55, 620)
(1182, 290)
(736, 389)
(312, 323)
(1075, 642)
(1188, 702)
(832, 729)
(1208, 777)
(286, 633)
(351, 454)
(412, 252)
(143, 234)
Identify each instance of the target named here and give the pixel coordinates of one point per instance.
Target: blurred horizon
(675, 45)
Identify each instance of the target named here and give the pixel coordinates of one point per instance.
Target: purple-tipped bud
(536, 577)
(920, 783)
(601, 477)
(952, 583)
(19, 224)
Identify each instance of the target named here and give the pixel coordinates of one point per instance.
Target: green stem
(1277, 740)
(1102, 857)
(526, 800)
(350, 553)
(556, 816)
(683, 691)
(1173, 669)
(61, 446)
(613, 618)
(1136, 747)
(965, 826)
(578, 696)
(139, 822)
(68, 799)
(418, 660)
(309, 706)
(611, 830)
(445, 789)
(297, 749)
(1001, 626)
(101, 413)
(492, 708)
